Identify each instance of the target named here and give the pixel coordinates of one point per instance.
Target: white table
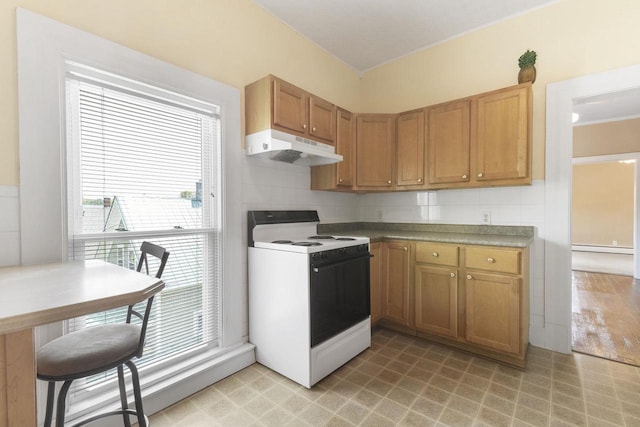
(41, 294)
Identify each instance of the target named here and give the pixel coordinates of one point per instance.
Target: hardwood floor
(606, 316)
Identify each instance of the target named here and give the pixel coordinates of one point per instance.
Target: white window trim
(44, 45)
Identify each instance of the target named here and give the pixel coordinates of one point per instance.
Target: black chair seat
(88, 351)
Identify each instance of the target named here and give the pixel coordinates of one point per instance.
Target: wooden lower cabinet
(493, 311)
(472, 297)
(375, 281)
(436, 300)
(395, 282)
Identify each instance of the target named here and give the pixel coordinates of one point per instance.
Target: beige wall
(572, 38)
(236, 42)
(607, 138)
(600, 215)
(232, 41)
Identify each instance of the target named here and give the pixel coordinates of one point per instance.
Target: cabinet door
(493, 311)
(341, 175)
(395, 288)
(346, 145)
(410, 149)
(290, 107)
(322, 120)
(374, 150)
(375, 281)
(436, 293)
(502, 135)
(448, 142)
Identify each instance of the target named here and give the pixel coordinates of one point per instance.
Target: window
(142, 166)
(44, 49)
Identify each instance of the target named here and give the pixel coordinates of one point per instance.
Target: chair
(98, 349)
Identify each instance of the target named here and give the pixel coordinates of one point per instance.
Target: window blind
(138, 167)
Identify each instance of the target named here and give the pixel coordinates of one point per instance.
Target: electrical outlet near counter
(485, 217)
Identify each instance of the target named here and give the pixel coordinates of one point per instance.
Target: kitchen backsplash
(275, 185)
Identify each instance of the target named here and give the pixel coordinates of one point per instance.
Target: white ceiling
(368, 33)
(608, 107)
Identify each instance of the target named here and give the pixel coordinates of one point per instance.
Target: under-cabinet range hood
(285, 147)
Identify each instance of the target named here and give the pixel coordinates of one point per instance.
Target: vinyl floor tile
(423, 384)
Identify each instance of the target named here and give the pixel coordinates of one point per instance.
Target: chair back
(159, 252)
(147, 249)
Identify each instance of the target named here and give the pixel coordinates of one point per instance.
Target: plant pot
(527, 74)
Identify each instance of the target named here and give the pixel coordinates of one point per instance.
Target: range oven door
(339, 296)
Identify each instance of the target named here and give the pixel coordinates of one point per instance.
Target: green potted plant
(527, 67)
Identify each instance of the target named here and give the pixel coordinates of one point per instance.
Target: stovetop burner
(307, 244)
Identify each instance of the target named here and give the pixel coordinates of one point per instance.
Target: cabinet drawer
(437, 253)
(493, 259)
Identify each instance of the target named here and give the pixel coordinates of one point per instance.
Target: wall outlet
(485, 217)
(615, 243)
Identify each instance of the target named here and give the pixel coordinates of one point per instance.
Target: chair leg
(62, 397)
(135, 379)
(123, 396)
(51, 391)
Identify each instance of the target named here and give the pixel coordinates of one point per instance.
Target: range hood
(284, 147)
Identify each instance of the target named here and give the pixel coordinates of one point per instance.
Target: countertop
(39, 294)
(490, 235)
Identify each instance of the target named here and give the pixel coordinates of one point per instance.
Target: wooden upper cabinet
(502, 149)
(448, 141)
(273, 103)
(346, 146)
(410, 152)
(322, 119)
(290, 107)
(341, 175)
(375, 150)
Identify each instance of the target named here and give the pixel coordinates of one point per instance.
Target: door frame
(558, 167)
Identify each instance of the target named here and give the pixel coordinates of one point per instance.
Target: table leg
(17, 379)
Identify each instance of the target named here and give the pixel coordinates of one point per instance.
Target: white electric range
(309, 303)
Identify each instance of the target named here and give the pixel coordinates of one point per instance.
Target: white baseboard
(185, 383)
(603, 249)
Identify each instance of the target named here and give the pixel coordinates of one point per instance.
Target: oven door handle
(347, 261)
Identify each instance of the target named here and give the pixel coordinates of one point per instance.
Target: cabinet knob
(419, 179)
(452, 274)
(480, 174)
(435, 254)
(464, 176)
(313, 129)
(389, 182)
(491, 260)
(469, 277)
(304, 126)
(405, 248)
(339, 179)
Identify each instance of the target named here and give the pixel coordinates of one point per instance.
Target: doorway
(605, 303)
(561, 98)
